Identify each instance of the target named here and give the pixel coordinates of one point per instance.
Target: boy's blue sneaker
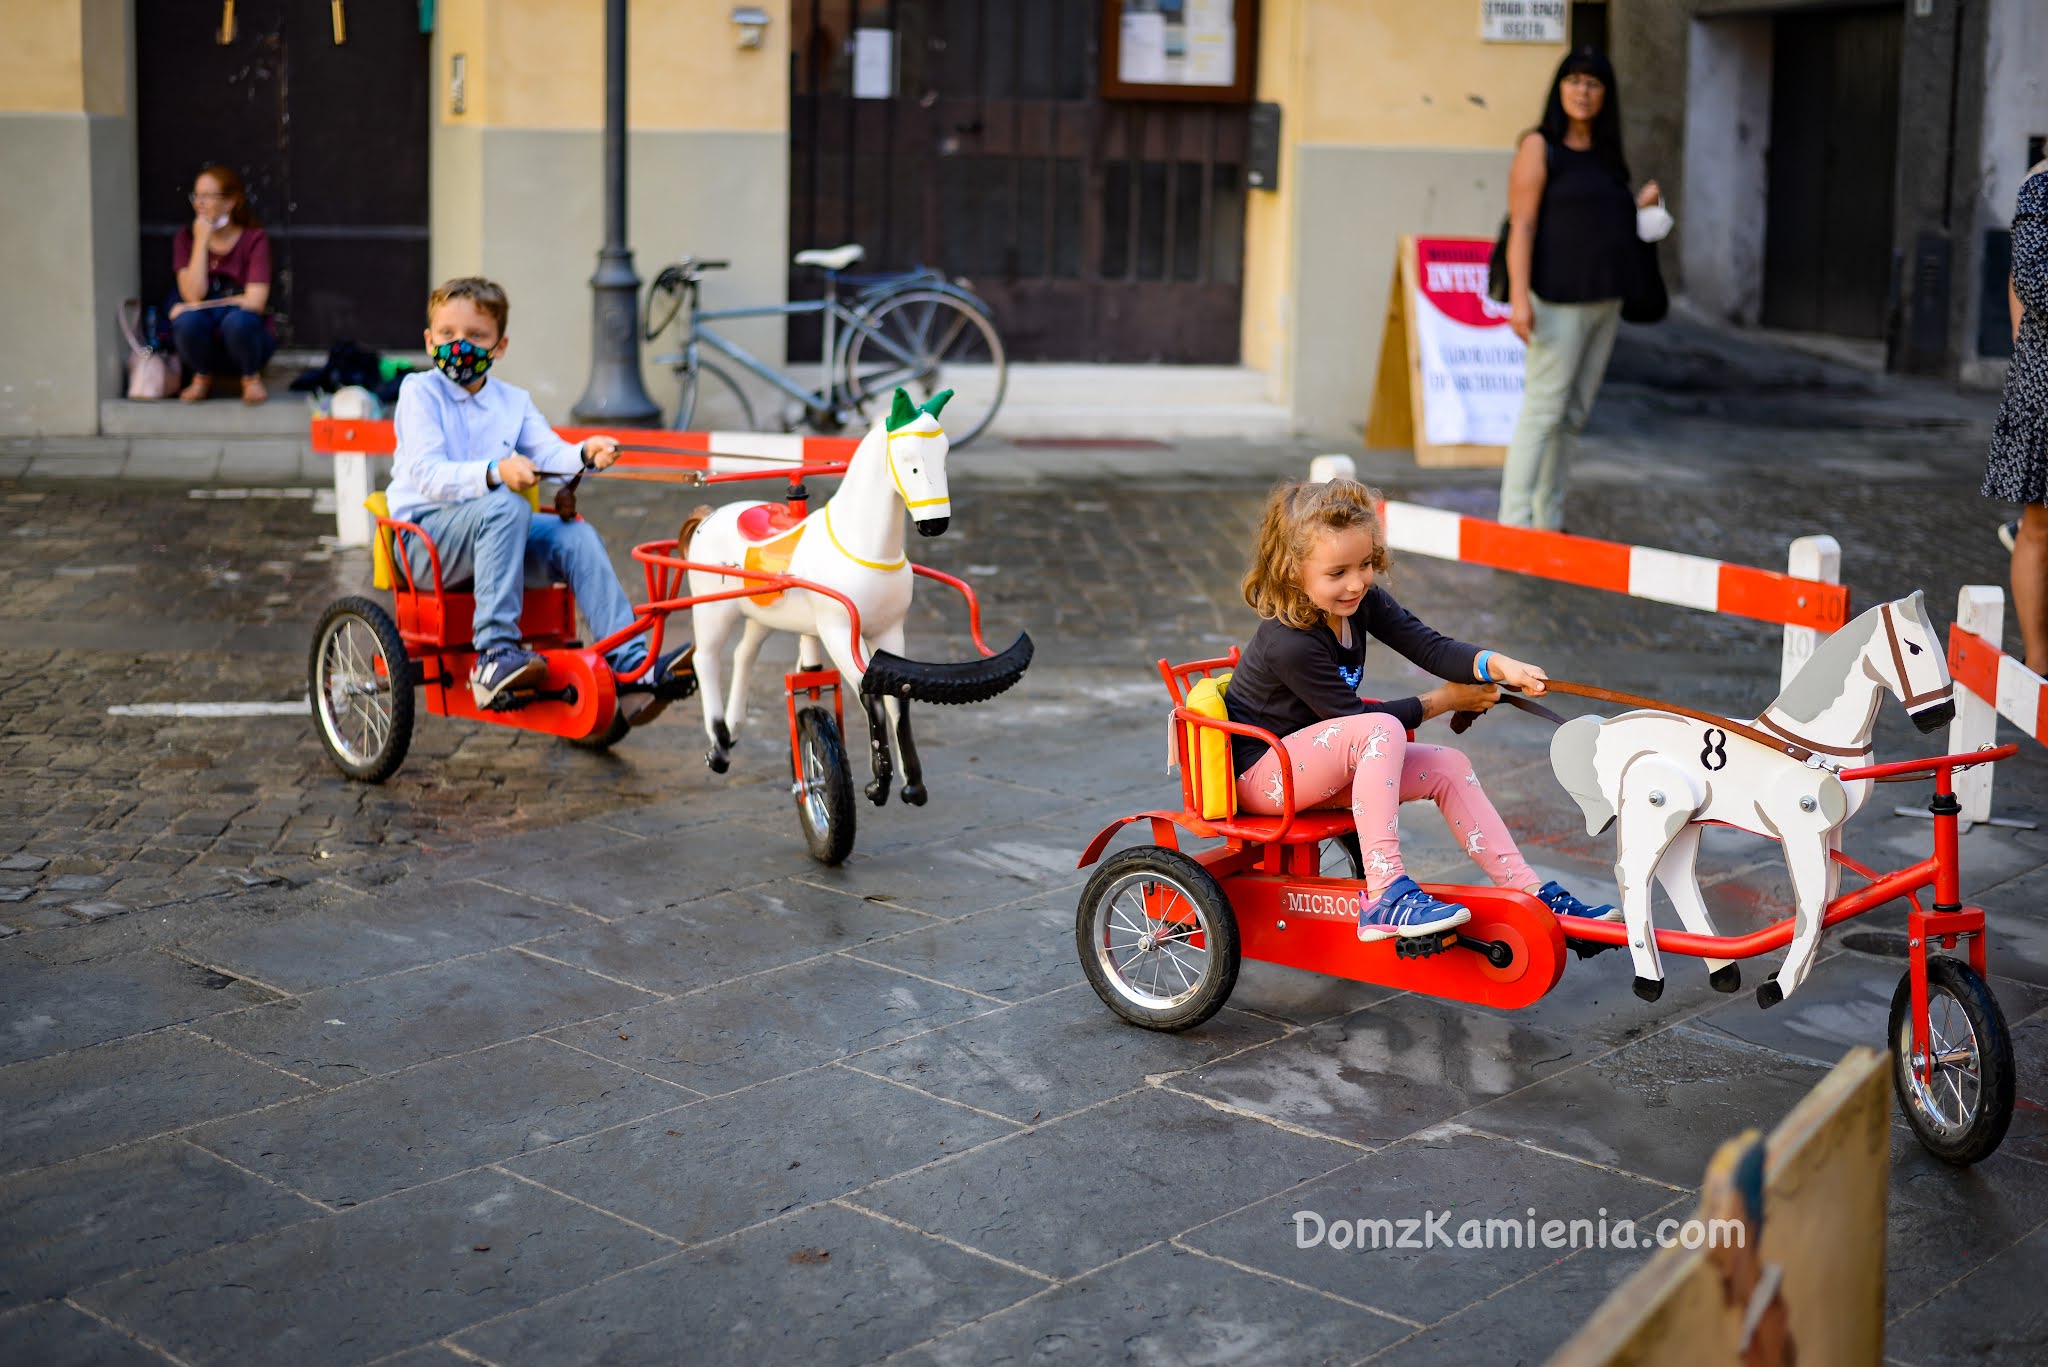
(1564, 904)
(673, 678)
(1406, 910)
(502, 668)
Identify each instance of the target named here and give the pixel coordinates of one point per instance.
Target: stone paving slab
(1167, 1304)
(1989, 1319)
(1386, 1071)
(1658, 1107)
(731, 935)
(1054, 1055)
(72, 1104)
(803, 1289)
(385, 933)
(432, 1260)
(1942, 1226)
(771, 1024)
(724, 1164)
(54, 1334)
(53, 1007)
(1450, 1176)
(1070, 1195)
(435, 1120)
(342, 1034)
(1011, 953)
(124, 1210)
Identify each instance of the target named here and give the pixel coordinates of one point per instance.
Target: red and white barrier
(1808, 600)
(354, 440)
(1989, 684)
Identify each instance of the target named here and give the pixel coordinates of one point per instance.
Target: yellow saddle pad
(1209, 749)
(772, 557)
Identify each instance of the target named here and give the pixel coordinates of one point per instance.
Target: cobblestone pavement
(535, 1055)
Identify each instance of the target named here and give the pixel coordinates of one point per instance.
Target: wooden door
(1097, 230)
(330, 139)
(1833, 167)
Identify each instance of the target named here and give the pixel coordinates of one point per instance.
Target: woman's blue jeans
(218, 339)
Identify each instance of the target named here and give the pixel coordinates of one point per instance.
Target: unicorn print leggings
(1371, 755)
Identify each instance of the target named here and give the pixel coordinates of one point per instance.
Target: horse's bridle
(1899, 663)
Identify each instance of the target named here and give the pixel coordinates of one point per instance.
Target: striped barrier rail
(353, 439)
(1808, 600)
(1989, 684)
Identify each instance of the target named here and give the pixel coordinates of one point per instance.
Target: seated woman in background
(223, 271)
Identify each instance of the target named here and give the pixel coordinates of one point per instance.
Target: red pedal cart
(366, 662)
(1161, 931)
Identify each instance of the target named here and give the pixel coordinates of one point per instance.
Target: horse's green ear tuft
(902, 412)
(935, 402)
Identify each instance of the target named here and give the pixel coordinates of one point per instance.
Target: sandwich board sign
(1450, 372)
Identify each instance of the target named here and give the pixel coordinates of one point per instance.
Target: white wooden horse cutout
(853, 544)
(1660, 775)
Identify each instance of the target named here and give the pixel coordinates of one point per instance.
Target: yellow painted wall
(1382, 73)
(42, 59)
(540, 64)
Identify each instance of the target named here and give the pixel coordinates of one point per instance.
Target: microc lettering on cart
(1319, 903)
(1522, 21)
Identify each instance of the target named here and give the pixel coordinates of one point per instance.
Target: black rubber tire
(968, 336)
(822, 773)
(1339, 857)
(1976, 1135)
(607, 738)
(370, 757)
(951, 683)
(1216, 975)
(694, 379)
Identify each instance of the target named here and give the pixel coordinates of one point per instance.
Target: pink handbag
(152, 373)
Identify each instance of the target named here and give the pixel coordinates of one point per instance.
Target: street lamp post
(615, 395)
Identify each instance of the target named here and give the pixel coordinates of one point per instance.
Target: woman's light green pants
(1568, 351)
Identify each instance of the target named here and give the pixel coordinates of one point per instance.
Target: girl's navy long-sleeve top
(1291, 677)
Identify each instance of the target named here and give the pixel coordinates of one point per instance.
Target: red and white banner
(1470, 363)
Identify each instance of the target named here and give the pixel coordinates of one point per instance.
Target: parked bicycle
(913, 329)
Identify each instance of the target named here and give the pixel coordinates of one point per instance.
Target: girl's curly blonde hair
(1295, 515)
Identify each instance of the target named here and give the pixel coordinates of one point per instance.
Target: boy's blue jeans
(498, 541)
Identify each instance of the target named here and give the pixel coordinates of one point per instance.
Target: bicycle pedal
(1421, 946)
(1586, 949)
(511, 700)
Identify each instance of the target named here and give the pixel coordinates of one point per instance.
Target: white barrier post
(1980, 610)
(1323, 469)
(353, 481)
(1813, 557)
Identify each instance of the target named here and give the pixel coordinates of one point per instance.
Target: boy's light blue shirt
(448, 437)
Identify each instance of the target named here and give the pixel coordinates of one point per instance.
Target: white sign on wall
(1522, 21)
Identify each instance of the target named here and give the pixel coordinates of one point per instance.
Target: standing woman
(2017, 470)
(1572, 256)
(223, 270)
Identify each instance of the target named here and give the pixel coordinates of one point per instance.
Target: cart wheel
(823, 787)
(607, 738)
(1960, 1115)
(1157, 938)
(361, 683)
(1338, 857)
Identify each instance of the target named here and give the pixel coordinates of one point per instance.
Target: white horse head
(916, 449)
(1893, 647)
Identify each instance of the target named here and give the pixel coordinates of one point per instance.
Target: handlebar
(1941, 766)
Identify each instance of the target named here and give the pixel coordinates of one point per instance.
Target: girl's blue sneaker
(1564, 904)
(1406, 910)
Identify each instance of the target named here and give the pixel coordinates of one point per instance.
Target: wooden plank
(1388, 422)
(1808, 1278)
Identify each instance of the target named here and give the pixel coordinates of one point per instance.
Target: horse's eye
(1910, 646)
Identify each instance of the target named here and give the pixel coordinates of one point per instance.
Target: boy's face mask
(461, 361)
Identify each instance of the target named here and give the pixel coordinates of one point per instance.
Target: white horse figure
(1661, 775)
(853, 544)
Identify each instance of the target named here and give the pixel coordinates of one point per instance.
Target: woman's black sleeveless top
(1585, 231)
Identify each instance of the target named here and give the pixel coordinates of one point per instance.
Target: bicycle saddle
(831, 258)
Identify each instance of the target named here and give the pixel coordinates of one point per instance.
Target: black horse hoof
(914, 794)
(1649, 989)
(1727, 978)
(718, 761)
(1770, 994)
(878, 793)
(725, 740)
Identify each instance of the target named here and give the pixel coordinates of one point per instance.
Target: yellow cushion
(1209, 749)
(381, 573)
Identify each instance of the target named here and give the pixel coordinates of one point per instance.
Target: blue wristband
(1479, 666)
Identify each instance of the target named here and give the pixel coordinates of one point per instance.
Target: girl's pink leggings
(1371, 756)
